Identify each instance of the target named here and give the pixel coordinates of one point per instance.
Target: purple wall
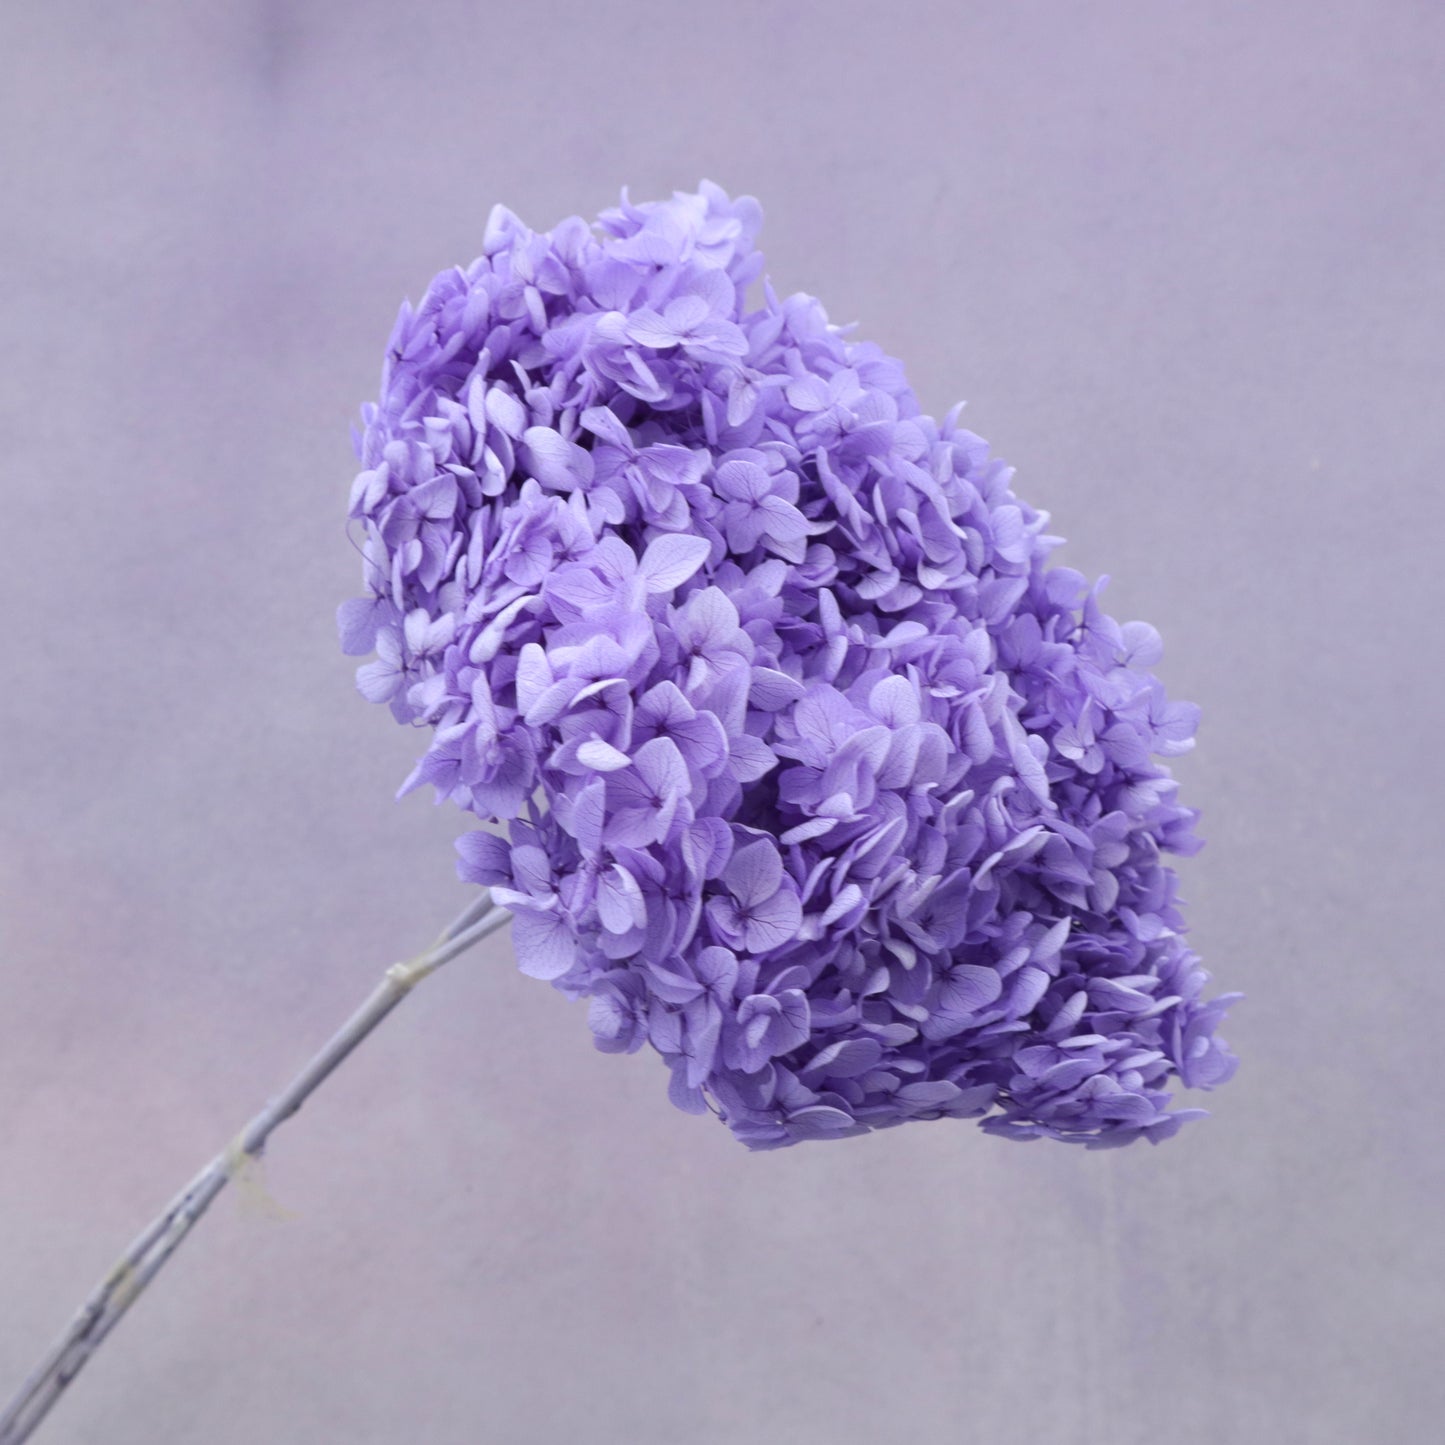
(1185, 262)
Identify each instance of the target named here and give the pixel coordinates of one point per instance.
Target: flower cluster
(816, 778)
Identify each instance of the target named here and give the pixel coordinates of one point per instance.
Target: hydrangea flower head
(812, 775)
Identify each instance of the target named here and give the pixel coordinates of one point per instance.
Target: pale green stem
(138, 1266)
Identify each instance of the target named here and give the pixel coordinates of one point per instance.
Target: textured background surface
(1185, 262)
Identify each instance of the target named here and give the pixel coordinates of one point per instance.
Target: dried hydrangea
(815, 777)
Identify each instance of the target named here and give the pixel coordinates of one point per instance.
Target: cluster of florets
(816, 779)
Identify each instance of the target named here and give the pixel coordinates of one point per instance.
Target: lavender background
(1185, 261)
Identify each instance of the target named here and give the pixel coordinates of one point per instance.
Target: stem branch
(162, 1237)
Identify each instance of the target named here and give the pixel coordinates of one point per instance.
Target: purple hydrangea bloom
(813, 774)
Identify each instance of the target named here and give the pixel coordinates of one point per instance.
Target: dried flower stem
(141, 1262)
